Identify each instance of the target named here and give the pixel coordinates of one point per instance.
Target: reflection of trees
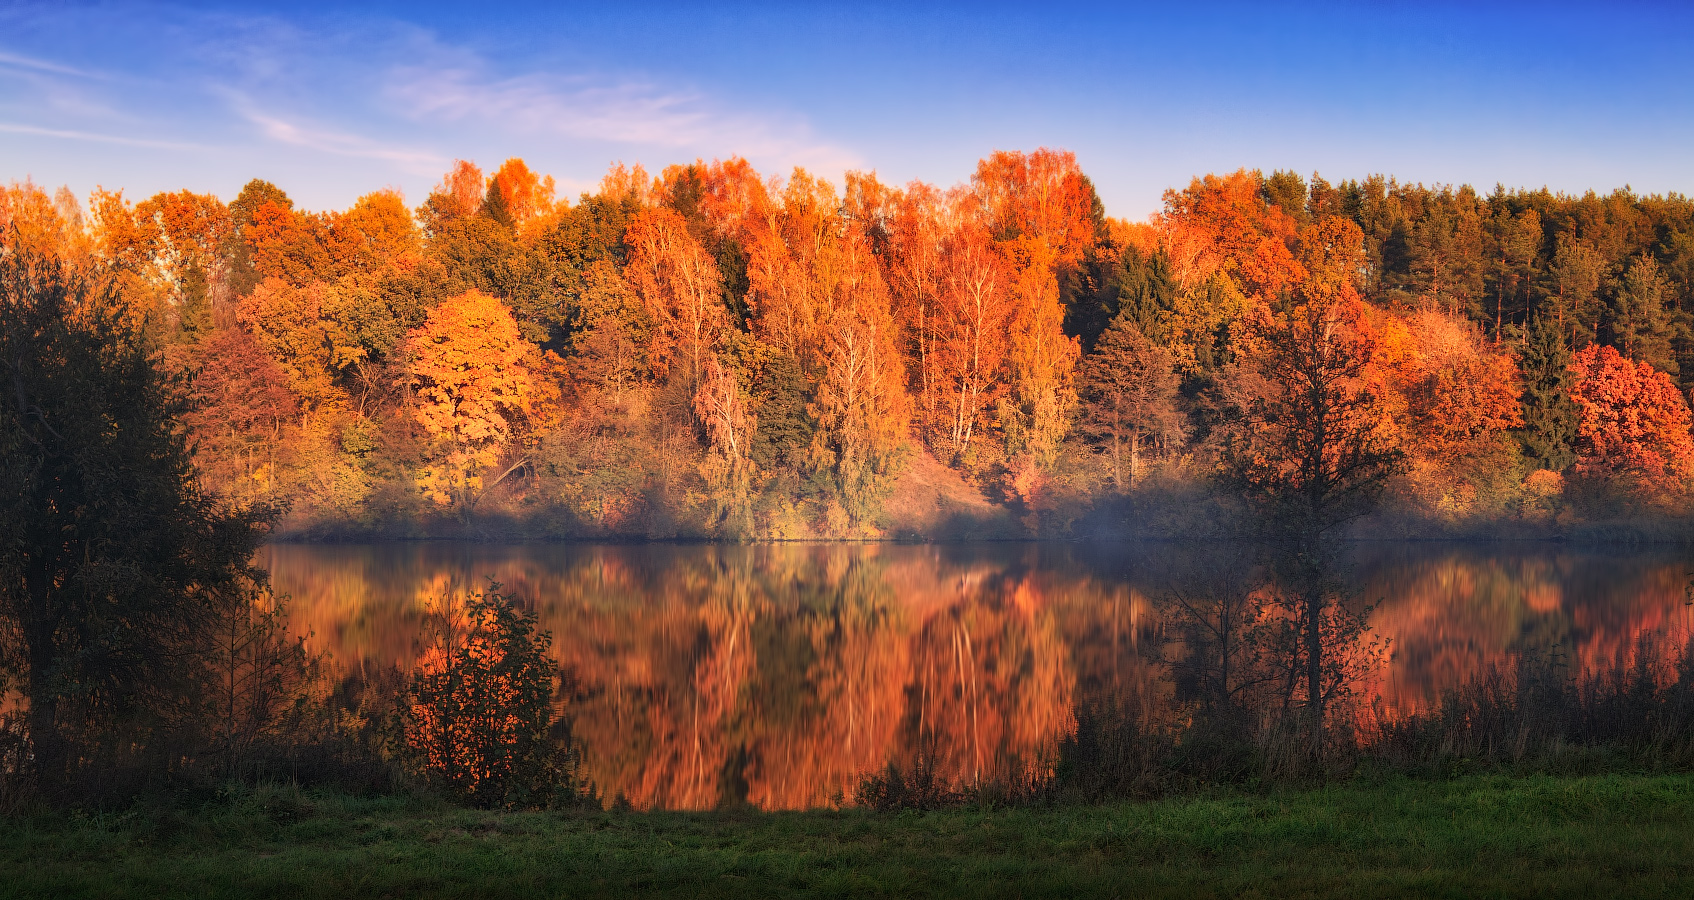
(790, 672)
(1451, 615)
(780, 674)
(990, 683)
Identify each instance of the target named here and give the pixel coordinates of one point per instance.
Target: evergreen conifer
(1549, 413)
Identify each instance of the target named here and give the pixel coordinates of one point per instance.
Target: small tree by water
(262, 683)
(476, 721)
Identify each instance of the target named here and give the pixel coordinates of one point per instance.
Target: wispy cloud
(323, 140)
(641, 113)
(336, 100)
(627, 113)
(66, 93)
(17, 61)
(13, 128)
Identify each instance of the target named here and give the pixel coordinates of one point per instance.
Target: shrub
(476, 720)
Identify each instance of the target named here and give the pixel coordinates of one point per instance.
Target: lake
(782, 673)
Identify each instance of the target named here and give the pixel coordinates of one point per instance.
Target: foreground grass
(1471, 837)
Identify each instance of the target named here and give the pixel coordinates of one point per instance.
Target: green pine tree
(1549, 413)
(1641, 325)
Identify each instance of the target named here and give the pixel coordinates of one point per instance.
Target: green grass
(1469, 837)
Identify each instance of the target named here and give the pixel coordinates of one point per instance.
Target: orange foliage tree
(377, 232)
(1228, 252)
(1451, 387)
(183, 233)
(1044, 214)
(1633, 425)
(458, 196)
(1223, 224)
(967, 345)
(918, 227)
(816, 291)
(519, 197)
(51, 226)
(681, 289)
(1451, 397)
(287, 244)
(789, 267)
(468, 369)
(288, 322)
(165, 253)
(1043, 195)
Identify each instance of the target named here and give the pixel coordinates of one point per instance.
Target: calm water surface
(783, 673)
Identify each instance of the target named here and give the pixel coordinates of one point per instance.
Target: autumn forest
(696, 494)
(713, 352)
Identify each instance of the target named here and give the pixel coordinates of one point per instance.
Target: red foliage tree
(244, 406)
(1634, 423)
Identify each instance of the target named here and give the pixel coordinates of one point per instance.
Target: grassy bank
(1478, 836)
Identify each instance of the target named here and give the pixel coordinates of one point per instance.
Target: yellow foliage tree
(468, 371)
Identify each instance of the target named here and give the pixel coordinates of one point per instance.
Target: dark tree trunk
(47, 744)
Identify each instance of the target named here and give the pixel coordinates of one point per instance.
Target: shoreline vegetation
(1590, 535)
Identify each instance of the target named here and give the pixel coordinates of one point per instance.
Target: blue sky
(332, 101)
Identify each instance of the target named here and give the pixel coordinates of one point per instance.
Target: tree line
(714, 352)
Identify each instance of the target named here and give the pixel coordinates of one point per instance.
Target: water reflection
(1452, 610)
(779, 674)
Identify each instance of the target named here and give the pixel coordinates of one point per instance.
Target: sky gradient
(330, 103)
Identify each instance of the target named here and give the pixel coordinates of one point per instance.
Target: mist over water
(780, 674)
